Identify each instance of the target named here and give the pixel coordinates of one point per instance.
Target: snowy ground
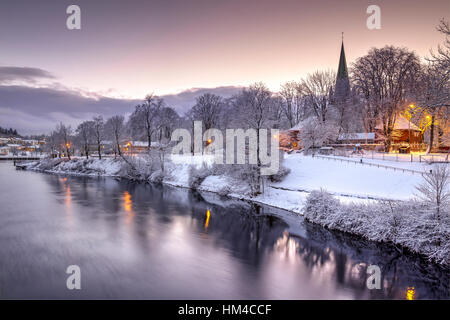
(348, 179)
(417, 166)
(349, 182)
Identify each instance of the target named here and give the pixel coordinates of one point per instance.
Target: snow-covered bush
(46, 164)
(138, 168)
(144, 167)
(197, 175)
(244, 173)
(279, 176)
(224, 191)
(411, 225)
(157, 177)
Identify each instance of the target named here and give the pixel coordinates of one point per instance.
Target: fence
(371, 164)
(398, 157)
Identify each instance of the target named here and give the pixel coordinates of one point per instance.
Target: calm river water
(142, 241)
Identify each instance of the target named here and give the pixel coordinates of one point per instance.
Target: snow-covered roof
(401, 123)
(296, 127)
(357, 136)
(139, 143)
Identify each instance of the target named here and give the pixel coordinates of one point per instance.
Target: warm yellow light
(127, 202)
(209, 140)
(275, 136)
(208, 215)
(129, 144)
(412, 106)
(410, 293)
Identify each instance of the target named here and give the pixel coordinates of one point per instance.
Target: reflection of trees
(250, 232)
(247, 233)
(351, 256)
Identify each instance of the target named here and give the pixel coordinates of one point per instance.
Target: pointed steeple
(342, 80)
(342, 69)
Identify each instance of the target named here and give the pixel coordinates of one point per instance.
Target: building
(290, 139)
(405, 133)
(4, 151)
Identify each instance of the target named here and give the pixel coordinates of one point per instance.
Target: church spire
(342, 69)
(342, 80)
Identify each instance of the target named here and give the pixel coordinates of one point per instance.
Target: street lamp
(407, 114)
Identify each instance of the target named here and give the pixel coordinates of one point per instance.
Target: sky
(127, 49)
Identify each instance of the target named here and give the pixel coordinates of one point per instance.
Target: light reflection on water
(141, 241)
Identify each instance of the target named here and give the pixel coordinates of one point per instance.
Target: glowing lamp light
(410, 293)
(275, 136)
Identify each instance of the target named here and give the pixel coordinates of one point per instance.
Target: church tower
(342, 88)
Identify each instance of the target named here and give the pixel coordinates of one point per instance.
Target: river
(134, 240)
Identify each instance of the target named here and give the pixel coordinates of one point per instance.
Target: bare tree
(169, 120)
(65, 134)
(115, 128)
(433, 97)
(318, 91)
(207, 109)
(254, 104)
(435, 188)
(293, 102)
(85, 134)
(442, 56)
(384, 78)
(99, 127)
(145, 118)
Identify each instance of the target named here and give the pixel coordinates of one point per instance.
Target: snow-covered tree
(115, 129)
(98, 128)
(315, 133)
(384, 78)
(207, 109)
(442, 56)
(433, 97)
(255, 111)
(169, 120)
(318, 91)
(435, 188)
(85, 135)
(293, 105)
(145, 119)
(65, 136)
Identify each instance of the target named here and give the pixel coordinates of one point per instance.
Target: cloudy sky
(126, 49)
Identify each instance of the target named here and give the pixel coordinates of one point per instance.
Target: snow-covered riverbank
(355, 193)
